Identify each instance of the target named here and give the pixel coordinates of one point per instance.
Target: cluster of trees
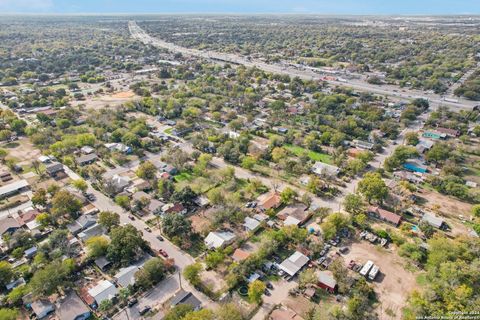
(227, 311)
(452, 286)
(470, 89)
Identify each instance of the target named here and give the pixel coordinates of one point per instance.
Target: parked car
(160, 238)
(131, 217)
(163, 253)
(132, 302)
(269, 285)
(144, 310)
(148, 229)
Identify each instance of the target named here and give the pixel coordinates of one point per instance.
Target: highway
(390, 91)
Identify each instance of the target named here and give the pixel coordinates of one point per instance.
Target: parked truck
(366, 268)
(373, 273)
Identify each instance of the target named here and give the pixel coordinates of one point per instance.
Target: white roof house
(13, 188)
(102, 291)
(433, 220)
(219, 239)
(294, 263)
(251, 224)
(321, 168)
(126, 276)
(291, 221)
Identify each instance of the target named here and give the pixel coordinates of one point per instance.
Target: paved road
(385, 90)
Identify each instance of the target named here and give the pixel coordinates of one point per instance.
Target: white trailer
(373, 273)
(366, 268)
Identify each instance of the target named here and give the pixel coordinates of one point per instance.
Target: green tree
(228, 311)
(125, 245)
(97, 246)
(372, 187)
(146, 170)
(6, 273)
(80, 185)
(108, 219)
(123, 201)
(288, 195)
(353, 203)
(175, 224)
(45, 281)
(64, 203)
(255, 291)
(178, 312)
(476, 210)
(153, 271)
(40, 197)
(9, 314)
(248, 162)
(333, 223)
(192, 273)
(411, 138)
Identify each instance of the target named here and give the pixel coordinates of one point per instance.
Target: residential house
(87, 150)
(173, 208)
(8, 225)
(320, 168)
(42, 308)
(154, 207)
(384, 215)
(120, 147)
(55, 170)
(408, 176)
(293, 264)
(165, 167)
(240, 255)
(363, 144)
(71, 307)
(95, 230)
(251, 225)
(13, 188)
(424, 145)
(126, 276)
(434, 221)
(82, 223)
(449, 132)
(102, 291)
(184, 297)
(102, 263)
(219, 239)
(30, 253)
(272, 201)
(284, 313)
(118, 183)
(326, 281)
(294, 214)
(86, 159)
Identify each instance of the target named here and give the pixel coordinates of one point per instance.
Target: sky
(399, 7)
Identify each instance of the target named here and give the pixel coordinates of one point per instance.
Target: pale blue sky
(428, 7)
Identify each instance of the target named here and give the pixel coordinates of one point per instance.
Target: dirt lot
(213, 280)
(22, 150)
(393, 284)
(99, 101)
(449, 207)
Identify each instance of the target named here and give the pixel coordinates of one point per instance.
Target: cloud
(25, 5)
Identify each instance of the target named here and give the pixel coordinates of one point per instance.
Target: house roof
(240, 255)
(86, 158)
(42, 307)
(284, 314)
(54, 167)
(433, 220)
(294, 263)
(297, 211)
(272, 201)
(155, 205)
(326, 278)
(251, 224)
(71, 307)
(139, 195)
(184, 297)
(217, 239)
(291, 221)
(102, 291)
(126, 276)
(324, 168)
(12, 187)
(94, 230)
(386, 215)
(8, 223)
(102, 262)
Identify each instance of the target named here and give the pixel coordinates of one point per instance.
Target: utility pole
(180, 279)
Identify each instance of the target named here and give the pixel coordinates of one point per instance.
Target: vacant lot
(394, 283)
(315, 156)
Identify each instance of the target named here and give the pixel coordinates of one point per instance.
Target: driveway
(278, 294)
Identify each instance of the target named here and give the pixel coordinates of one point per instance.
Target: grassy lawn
(315, 156)
(183, 176)
(168, 131)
